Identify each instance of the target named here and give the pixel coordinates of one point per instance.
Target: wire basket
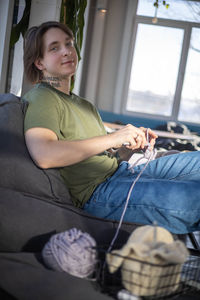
(148, 280)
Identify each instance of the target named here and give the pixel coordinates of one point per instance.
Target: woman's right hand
(130, 136)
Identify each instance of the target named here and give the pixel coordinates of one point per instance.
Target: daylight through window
(165, 72)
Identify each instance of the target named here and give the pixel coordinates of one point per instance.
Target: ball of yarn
(71, 251)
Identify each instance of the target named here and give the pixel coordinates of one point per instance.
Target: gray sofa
(35, 204)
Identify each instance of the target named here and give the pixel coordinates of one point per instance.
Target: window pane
(181, 10)
(154, 69)
(190, 99)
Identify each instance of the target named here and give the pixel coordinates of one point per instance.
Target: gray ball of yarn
(71, 251)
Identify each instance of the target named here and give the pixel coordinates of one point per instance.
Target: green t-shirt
(71, 118)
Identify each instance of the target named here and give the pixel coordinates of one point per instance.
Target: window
(165, 66)
(154, 69)
(180, 10)
(190, 98)
(15, 69)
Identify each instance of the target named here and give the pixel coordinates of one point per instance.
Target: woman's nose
(66, 51)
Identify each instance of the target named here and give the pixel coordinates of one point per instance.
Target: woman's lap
(169, 197)
(181, 166)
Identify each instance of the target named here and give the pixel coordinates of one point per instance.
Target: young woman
(65, 131)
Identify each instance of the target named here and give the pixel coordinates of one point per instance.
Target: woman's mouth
(68, 62)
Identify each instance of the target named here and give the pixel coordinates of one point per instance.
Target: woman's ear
(39, 64)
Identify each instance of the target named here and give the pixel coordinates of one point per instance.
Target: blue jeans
(167, 192)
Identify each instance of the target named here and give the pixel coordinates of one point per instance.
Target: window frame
(126, 60)
(6, 17)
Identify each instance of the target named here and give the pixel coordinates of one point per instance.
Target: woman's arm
(49, 152)
(113, 125)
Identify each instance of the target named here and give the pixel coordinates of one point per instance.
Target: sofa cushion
(27, 223)
(25, 278)
(18, 172)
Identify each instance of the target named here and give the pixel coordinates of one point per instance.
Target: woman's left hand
(150, 136)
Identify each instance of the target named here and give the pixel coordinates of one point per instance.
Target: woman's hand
(134, 138)
(150, 136)
(130, 136)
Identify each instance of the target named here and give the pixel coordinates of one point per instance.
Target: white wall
(94, 51)
(106, 56)
(110, 57)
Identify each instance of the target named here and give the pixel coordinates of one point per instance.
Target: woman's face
(59, 55)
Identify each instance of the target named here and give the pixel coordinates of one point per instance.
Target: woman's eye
(70, 44)
(54, 49)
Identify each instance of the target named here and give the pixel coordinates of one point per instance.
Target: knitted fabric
(150, 261)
